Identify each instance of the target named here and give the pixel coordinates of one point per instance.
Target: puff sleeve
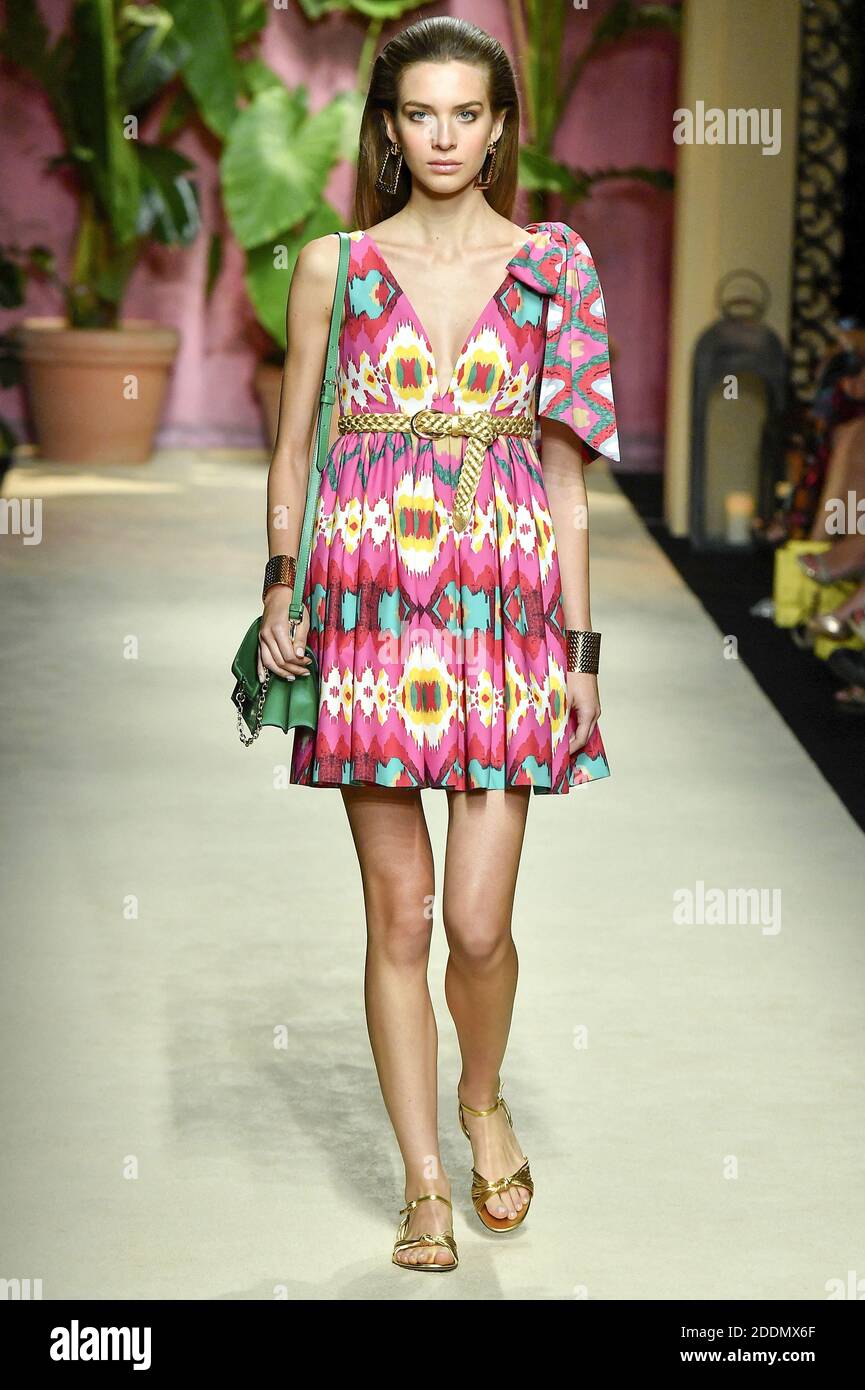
(576, 384)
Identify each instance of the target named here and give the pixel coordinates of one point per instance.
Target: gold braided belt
(481, 427)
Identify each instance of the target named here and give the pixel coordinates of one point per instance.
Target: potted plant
(96, 381)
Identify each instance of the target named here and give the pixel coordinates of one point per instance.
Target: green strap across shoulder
(322, 433)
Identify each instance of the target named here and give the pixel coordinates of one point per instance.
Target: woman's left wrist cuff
(584, 650)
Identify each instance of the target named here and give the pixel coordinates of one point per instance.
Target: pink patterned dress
(442, 655)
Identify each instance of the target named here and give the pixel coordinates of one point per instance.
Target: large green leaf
(256, 76)
(211, 70)
(24, 39)
(540, 172)
(352, 103)
(152, 52)
(625, 17)
(169, 198)
(25, 42)
(246, 18)
(658, 178)
(276, 162)
(269, 268)
(107, 158)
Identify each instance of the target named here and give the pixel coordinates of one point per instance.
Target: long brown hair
(436, 40)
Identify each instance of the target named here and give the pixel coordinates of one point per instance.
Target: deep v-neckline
(438, 394)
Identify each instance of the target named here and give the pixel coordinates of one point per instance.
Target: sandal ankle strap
(470, 1108)
(426, 1197)
(500, 1101)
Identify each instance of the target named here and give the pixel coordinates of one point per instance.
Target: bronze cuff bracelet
(584, 650)
(280, 569)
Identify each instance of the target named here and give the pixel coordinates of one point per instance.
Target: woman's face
(443, 123)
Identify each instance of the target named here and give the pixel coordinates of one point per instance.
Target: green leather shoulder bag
(275, 700)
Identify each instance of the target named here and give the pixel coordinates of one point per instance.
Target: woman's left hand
(584, 700)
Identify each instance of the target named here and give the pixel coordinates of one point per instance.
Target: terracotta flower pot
(96, 394)
(268, 384)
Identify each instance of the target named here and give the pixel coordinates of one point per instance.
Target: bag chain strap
(249, 740)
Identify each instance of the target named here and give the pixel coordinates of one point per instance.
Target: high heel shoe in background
(828, 625)
(485, 1188)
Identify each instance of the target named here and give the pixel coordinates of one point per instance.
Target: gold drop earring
(381, 182)
(484, 177)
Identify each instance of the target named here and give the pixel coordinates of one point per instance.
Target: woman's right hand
(276, 651)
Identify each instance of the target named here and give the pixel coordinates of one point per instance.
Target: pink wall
(621, 115)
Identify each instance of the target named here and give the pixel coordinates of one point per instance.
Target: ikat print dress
(442, 655)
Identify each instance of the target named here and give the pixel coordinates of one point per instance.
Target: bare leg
(845, 472)
(485, 839)
(396, 863)
(847, 552)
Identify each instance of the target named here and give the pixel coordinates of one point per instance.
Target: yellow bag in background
(798, 598)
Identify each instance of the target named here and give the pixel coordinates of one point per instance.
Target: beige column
(734, 209)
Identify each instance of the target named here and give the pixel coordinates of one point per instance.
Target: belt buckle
(418, 433)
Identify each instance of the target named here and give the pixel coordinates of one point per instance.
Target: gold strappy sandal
(483, 1188)
(404, 1242)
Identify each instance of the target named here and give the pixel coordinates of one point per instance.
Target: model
(447, 597)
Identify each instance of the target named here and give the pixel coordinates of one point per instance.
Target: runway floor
(190, 1107)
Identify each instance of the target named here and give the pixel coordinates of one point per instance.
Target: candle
(739, 508)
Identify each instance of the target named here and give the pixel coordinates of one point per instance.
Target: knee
(399, 921)
(476, 940)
